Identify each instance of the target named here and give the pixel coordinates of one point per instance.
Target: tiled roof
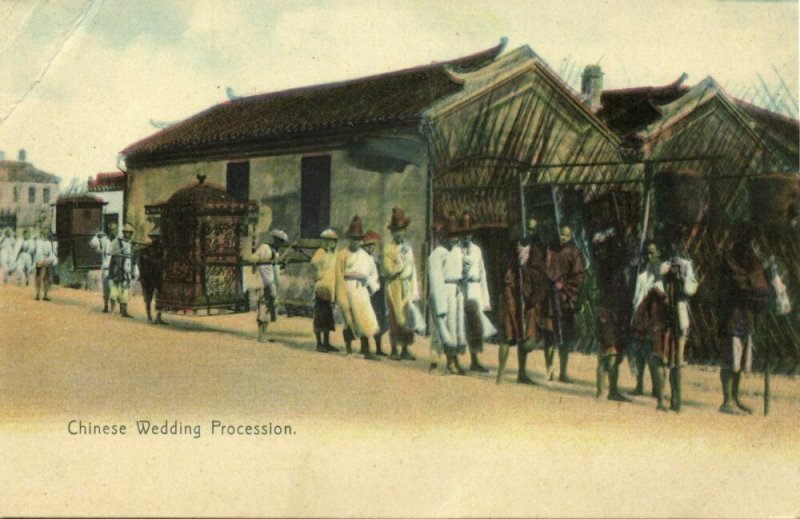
(79, 199)
(14, 171)
(393, 98)
(112, 181)
(631, 109)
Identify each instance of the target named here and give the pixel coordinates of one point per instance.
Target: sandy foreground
(368, 438)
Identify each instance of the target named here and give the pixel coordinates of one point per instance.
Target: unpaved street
(369, 438)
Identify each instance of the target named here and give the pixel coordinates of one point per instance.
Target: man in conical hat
(402, 291)
(356, 279)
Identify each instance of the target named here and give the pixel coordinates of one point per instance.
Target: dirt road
(364, 438)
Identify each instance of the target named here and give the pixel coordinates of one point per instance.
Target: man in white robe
(477, 325)
(7, 244)
(442, 341)
(24, 256)
(266, 256)
(102, 244)
(467, 295)
(44, 258)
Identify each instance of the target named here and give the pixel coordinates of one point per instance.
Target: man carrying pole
(613, 309)
(525, 282)
(266, 257)
(663, 317)
(123, 270)
(564, 267)
(748, 292)
(102, 244)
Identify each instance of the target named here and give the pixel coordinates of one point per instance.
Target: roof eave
(269, 145)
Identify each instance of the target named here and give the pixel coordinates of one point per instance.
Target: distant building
(109, 187)
(26, 194)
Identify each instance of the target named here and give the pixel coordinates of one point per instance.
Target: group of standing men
(643, 311)
(117, 265)
(538, 307)
(375, 292)
(379, 292)
(547, 280)
(34, 255)
(646, 311)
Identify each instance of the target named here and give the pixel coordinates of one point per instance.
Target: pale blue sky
(81, 79)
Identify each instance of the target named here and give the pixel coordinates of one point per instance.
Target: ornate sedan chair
(200, 231)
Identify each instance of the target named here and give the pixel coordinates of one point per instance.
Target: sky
(82, 79)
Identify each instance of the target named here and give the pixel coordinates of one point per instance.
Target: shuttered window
(237, 180)
(315, 198)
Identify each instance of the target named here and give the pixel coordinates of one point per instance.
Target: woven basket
(611, 209)
(773, 198)
(681, 196)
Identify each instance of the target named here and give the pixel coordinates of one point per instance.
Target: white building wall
(275, 184)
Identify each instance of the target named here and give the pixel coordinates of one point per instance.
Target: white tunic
(438, 295)
(477, 287)
(654, 279)
(647, 280)
(25, 257)
(458, 289)
(688, 289)
(123, 247)
(452, 273)
(359, 276)
(103, 246)
(43, 253)
(269, 273)
(7, 258)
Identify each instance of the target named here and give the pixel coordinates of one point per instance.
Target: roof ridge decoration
(505, 68)
(674, 85)
(452, 64)
(698, 95)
